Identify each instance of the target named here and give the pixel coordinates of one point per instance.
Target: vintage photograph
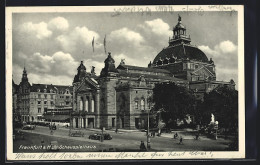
(125, 81)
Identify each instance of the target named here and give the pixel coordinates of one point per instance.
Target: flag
(93, 43)
(105, 45)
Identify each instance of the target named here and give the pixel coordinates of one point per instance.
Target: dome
(181, 51)
(81, 66)
(179, 26)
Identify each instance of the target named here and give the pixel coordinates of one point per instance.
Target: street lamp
(52, 113)
(148, 134)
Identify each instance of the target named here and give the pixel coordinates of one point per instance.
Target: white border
(108, 156)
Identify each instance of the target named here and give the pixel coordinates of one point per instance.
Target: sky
(51, 45)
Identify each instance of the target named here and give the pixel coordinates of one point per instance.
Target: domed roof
(181, 51)
(81, 66)
(179, 26)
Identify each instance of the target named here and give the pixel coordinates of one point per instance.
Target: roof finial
(179, 18)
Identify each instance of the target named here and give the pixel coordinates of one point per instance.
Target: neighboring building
(33, 101)
(23, 98)
(44, 97)
(14, 101)
(121, 96)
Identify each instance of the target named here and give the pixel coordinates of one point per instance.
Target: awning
(56, 117)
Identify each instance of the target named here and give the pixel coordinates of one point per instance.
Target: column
(90, 103)
(86, 104)
(97, 110)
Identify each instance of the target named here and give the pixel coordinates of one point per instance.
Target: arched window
(86, 105)
(142, 104)
(80, 104)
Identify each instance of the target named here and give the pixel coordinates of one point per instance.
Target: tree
(223, 103)
(177, 101)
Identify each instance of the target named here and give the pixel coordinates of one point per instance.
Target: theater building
(121, 96)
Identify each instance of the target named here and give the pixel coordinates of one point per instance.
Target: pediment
(87, 84)
(202, 71)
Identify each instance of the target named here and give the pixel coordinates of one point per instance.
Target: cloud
(227, 47)
(80, 38)
(225, 59)
(127, 35)
(50, 79)
(130, 61)
(40, 30)
(58, 23)
(158, 27)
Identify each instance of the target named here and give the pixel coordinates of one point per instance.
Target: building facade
(121, 96)
(34, 101)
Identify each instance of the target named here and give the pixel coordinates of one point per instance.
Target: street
(122, 141)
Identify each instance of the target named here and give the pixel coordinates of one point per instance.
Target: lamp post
(52, 113)
(148, 132)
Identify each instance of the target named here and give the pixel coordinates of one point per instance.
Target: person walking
(181, 140)
(142, 146)
(42, 143)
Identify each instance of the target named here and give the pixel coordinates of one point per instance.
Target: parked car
(17, 134)
(54, 146)
(28, 127)
(77, 134)
(97, 136)
(52, 127)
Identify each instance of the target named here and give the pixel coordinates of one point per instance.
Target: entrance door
(77, 122)
(84, 122)
(113, 122)
(91, 122)
(137, 123)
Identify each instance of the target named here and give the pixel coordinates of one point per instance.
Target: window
(136, 91)
(67, 103)
(196, 66)
(149, 104)
(39, 102)
(61, 97)
(45, 102)
(45, 110)
(67, 92)
(67, 97)
(45, 96)
(39, 95)
(136, 104)
(51, 102)
(142, 104)
(39, 110)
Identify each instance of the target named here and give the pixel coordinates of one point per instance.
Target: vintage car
(97, 136)
(77, 134)
(52, 127)
(28, 127)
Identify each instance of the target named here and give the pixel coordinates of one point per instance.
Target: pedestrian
(42, 143)
(153, 133)
(197, 136)
(142, 146)
(116, 130)
(181, 140)
(175, 135)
